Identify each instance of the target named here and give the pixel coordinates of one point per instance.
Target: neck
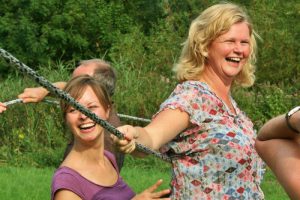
(220, 87)
(88, 152)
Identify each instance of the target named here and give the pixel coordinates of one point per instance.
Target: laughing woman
(200, 124)
(89, 171)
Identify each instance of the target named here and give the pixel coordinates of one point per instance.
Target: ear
(107, 114)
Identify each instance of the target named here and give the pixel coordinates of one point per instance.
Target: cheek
(246, 51)
(69, 121)
(102, 114)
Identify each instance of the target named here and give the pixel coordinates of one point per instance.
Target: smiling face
(83, 128)
(229, 52)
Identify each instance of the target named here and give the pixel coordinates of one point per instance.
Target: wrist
(136, 134)
(44, 91)
(292, 118)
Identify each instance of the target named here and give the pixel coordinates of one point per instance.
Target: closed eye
(93, 107)
(245, 42)
(71, 110)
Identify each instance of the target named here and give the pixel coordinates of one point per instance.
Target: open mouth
(232, 59)
(87, 126)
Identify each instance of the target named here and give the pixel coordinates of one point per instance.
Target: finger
(128, 148)
(29, 100)
(127, 137)
(2, 109)
(114, 138)
(161, 193)
(155, 186)
(118, 141)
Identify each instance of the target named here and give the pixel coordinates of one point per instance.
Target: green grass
(34, 184)
(25, 183)
(272, 189)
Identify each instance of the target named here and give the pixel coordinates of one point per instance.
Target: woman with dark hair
(89, 171)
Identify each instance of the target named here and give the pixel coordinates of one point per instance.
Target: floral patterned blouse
(214, 158)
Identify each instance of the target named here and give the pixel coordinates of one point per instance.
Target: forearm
(60, 85)
(144, 139)
(277, 128)
(283, 157)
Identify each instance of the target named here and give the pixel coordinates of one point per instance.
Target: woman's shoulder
(192, 86)
(111, 157)
(63, 172)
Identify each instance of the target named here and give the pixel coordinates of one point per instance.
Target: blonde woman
(200, 125)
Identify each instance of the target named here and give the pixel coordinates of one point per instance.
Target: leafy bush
(39, 31)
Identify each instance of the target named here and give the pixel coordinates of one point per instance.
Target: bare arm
(279, 147)
(283, 157)
(33, 95)
(162, 129)
(277, 128)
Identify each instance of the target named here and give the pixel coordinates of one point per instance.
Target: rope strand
(57, 103)
(66, 97)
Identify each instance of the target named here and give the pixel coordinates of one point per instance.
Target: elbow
(259, 145)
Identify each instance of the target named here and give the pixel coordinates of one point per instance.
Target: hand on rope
(2, 107)
(33, 95)
(126, 145)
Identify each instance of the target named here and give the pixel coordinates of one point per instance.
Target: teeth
(233, 59)
(87, 126)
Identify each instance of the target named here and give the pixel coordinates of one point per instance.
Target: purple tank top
(69, 179)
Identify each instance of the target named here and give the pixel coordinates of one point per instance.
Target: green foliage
(31, 134)
(38, 31)
(264, 101)
(277, 22)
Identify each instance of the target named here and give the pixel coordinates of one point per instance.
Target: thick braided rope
(66, 97)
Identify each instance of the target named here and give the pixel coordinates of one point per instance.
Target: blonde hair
(210, 24)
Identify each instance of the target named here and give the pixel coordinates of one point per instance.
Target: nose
(238, 48)
(82, 116)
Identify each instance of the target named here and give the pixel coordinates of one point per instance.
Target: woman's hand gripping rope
(128, 144)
